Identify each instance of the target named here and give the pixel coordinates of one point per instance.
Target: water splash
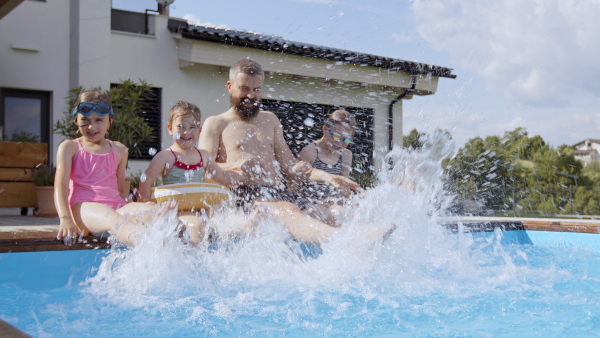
(309, 122)
(421, 270)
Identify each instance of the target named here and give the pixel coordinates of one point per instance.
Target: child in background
(89, 172)
(330, 153)
(184, 163)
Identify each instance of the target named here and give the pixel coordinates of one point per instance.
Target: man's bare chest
(248, 138)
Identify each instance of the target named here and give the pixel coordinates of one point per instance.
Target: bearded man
(245, 132)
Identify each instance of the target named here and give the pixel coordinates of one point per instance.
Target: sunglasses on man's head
(86, 108)
(339, 136)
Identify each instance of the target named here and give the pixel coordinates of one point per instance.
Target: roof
(587, 140)
(278, 44)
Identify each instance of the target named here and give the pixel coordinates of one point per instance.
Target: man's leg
(299, 225)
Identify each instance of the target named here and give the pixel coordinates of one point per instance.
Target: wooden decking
(30, 233)
(534, 224)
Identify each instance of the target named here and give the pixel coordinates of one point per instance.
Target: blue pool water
(487, 284)
(424, 280)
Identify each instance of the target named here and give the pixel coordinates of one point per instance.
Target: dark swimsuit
(246, 195)
(320, 192)
(335, 169)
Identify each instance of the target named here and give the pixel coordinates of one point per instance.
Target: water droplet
(152, 151)
(309, 122)
(189, 174)
(143, 177)
(176, 136)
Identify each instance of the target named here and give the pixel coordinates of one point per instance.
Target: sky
(520, 63)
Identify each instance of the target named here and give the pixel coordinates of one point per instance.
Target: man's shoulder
(267, 116)
(215, 121)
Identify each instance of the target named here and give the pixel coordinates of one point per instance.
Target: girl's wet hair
(341, 118)
(184, 108)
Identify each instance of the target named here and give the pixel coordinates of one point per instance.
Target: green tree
(517, 173)
(481, 171)
(414, 140)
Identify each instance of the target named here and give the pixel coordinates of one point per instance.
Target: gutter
(413, 85)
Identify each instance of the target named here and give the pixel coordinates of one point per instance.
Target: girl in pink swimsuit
(89, 172)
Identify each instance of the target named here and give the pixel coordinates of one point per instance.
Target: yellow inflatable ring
(191, 196)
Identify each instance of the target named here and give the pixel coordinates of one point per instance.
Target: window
(24, 115)
(302, 124)
(151, 114)
(132, 22)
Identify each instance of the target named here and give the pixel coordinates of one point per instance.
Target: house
(587, 151)
(49, 47)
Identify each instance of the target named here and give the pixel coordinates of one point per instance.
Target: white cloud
(399, 37)
(193, 20)
(538, 53)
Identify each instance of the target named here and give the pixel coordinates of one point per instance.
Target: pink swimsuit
(94, 178)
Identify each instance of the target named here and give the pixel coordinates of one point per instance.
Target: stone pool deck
(30, 233)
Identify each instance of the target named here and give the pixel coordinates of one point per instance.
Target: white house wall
(73, 45)
(34, 52)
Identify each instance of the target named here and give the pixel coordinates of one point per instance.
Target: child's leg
(194, 227)
(95, 217)
(98, 218)
(135, 217)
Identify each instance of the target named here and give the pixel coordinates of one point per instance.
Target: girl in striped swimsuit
(331, 154)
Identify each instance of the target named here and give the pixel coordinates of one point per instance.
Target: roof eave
(278, 45)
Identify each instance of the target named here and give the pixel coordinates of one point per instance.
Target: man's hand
(251, 167)
(302, 170)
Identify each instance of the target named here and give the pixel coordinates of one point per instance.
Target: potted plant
(42, 176)
(134, 186)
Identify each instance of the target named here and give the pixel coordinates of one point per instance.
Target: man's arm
(209, 136)
(283, 154)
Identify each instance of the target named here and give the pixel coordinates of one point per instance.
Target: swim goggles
(86, 108)
(338, 136)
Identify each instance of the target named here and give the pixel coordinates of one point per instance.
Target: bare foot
(379, 234)
(164, 207)
(260, 213)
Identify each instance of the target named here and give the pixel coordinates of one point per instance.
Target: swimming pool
(466, 284)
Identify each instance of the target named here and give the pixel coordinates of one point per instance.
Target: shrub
(42, 175)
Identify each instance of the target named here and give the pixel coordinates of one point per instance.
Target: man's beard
(245, 113)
